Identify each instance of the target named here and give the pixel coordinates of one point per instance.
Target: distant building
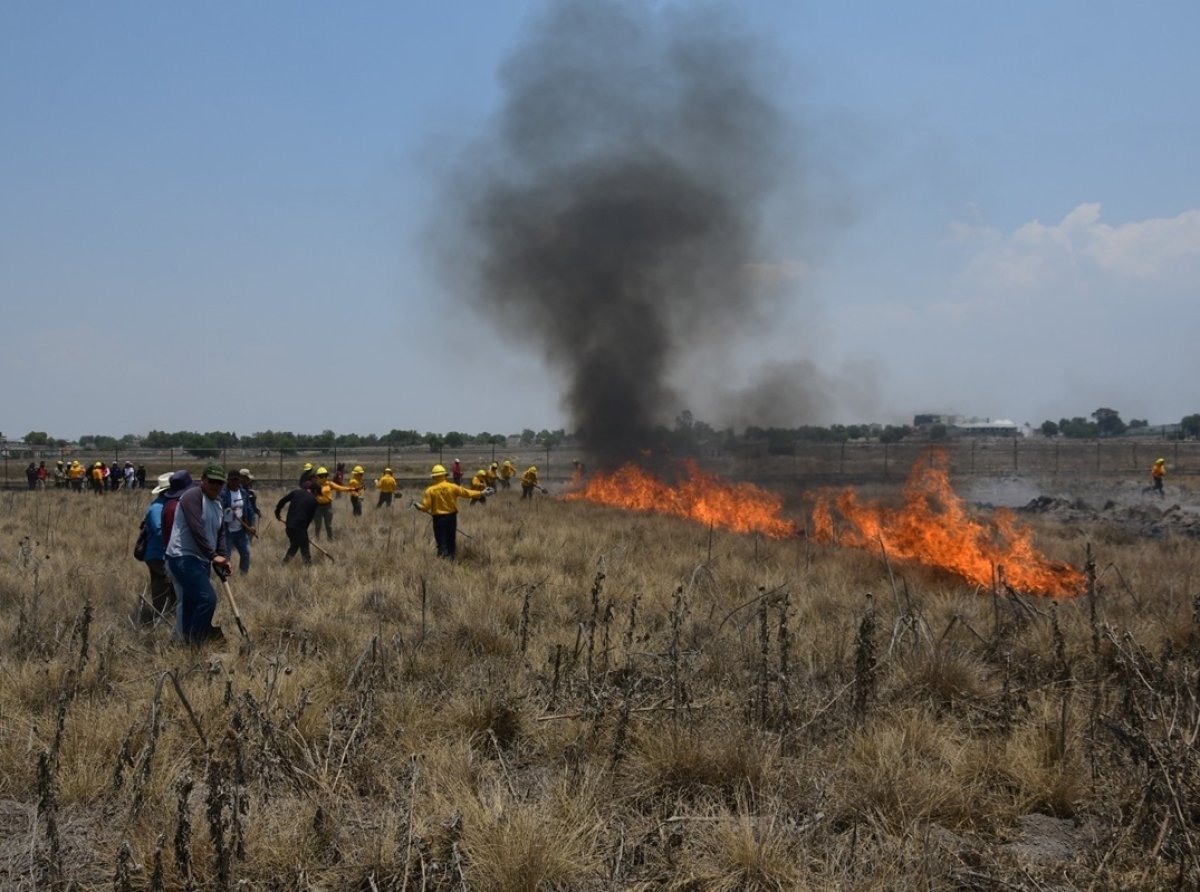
(1000, 427)
(926, 420)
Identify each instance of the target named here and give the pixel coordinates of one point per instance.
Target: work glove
(490, 491)
(222, 571)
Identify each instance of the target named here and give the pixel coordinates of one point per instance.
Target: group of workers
(193, 528)
(440, 499)
(310, 503)
(100, 477)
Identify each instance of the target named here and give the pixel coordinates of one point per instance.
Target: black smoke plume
(613, 215)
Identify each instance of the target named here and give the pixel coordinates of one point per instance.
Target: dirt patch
(1044, 838)
(1129, 508)
(1145, 520)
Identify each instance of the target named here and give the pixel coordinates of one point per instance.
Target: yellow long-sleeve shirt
(530, 477)
(442, 497)
(386, 483)
(324, 491)
(507, 470)
(479, 481)
(357, 487)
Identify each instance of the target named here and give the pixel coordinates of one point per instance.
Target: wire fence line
(808, 462)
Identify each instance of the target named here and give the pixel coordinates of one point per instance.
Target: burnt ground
(1125, 507)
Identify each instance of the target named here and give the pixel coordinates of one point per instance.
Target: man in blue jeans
(197, 544)
(240, 518)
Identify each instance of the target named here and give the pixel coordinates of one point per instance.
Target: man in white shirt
(239, 520)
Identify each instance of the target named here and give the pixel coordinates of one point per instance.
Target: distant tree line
(210, 443)
(1106, 422)
(687, 436)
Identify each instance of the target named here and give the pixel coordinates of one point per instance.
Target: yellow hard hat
(98, 464)
(387, 470)
(532, 468)
(308, 466)
(358, 469)
(322, 472)
(438, 471)
(1161, 461)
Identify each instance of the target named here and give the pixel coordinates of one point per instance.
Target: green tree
(1078, 428)
(527, 437)
(435, 441)
(160, 440)
(37, 438)
(1049, 428)
(1189, 426)
(1108, 423)
(396, 437)
(455, 439)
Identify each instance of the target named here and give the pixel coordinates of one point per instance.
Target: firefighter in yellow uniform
(441, 503)
(323, 490)
(357, 488)
(98, 478)
(507, 472)
(1157, 473)
(491, 475)
(529, 482)
(387, 488)
(75, 474)
(479, 481)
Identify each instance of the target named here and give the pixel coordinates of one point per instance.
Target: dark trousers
(445, 534)
(162, 596)
(385, 498)
(526, 490)
(356, 504)
(298, 541)
(324, 516)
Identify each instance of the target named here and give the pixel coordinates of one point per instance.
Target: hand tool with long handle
(237, 615)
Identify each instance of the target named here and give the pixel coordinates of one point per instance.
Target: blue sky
(214, 216)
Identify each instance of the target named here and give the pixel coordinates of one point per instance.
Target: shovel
(237, 615)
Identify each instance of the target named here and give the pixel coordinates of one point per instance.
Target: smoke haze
(612, 216)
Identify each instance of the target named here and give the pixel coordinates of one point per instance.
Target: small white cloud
(1081, 247)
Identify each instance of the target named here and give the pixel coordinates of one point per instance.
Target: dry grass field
(592, 699)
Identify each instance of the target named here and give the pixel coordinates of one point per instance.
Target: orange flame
(933, 527)
(700, 496)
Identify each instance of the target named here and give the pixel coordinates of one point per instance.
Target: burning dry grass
(589, 700)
